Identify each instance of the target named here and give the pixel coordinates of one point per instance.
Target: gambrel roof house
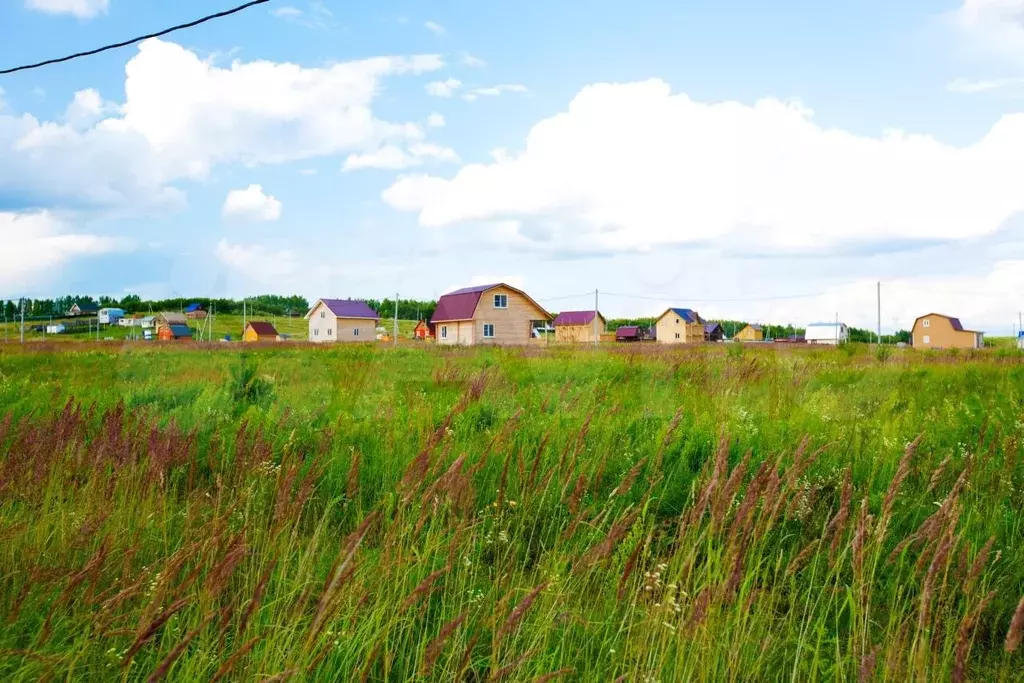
(487, 314)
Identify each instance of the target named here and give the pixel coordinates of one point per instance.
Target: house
(82, 308)
(679, 326)
(713, 332)
(488, 314)
(341, 320)
(137, 321)
(630, 333)
(578, 326)
(1020, 340)
(750, 333)
(59, 328)
(165, 319)
(174, 332)
(256, 331)
(937, 331)
(422, 331)
(195, 312)
(827, 333)
(110, 316)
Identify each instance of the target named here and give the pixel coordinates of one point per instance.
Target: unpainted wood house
(750, 333)
(937, 331)
(259, 331)
(578, 326)
(341, 320)
(488, 314)
(679, 326)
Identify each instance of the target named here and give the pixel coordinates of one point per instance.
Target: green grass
(331, 514)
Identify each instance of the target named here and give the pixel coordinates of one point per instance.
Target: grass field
(636, 514)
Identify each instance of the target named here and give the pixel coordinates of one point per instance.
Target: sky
(770, 162)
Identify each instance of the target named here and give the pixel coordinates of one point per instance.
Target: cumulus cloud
(632, 166)
(252, 204)
(472, 61)
(34, 246)
(434, 28)
(994, 25)
(182, 116)
(968, 87)
(443, 88)
(258, 262)
(494, 91)
(435, 121)
(83, 9)
(317, 16)
(394, 158)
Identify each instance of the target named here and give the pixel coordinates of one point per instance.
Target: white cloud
(996, 26)
(632, 166)
(965, 86)
(317, 16)
(258, 262)
(83, 9)
(35, 246)
(435, 121)
(443, 88)
(252, 204)
(472, 61)
(307, 171)
(494, 91)
(394, 158)
(434, 28)
(182, 116)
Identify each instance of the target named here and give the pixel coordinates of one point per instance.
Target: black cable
(126, 43)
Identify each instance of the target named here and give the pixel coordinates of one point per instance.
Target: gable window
(927, 339)
(677, 321)
(444, 331)
(501, 300)
(488, 331)
(323, 314)
(926, 322)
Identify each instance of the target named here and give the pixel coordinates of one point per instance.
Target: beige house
(576, 327)
(679, 326)
(341, 320)
(937, 331)
(750, 333)
(488, 314)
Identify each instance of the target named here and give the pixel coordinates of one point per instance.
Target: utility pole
(837, 328)
(396, 319)
(22, 321)
(878, 335)
(597, 335)
(243, 315)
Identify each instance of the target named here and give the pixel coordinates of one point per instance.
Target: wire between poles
(132, 41)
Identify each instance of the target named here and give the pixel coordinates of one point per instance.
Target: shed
(259, 331)
(827, 333)
(630, 333)
(110, 316)
(175, 332)
(713, 332)
(423, 331)
(578, 326)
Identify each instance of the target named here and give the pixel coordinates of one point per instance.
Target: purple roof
(627, 331)
(955, 322)
(458, 305)
(687, 314)
(710, 327)
(349, 308)
(574, 318)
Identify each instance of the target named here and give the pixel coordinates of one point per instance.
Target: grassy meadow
(208, 513)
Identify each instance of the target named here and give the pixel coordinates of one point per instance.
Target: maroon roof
(461, 304)
(574, 318)
(627, 332)
(350, 308)
(262, 328)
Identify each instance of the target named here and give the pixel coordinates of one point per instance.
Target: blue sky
(715, 155)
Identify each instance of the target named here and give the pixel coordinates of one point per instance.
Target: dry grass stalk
(257, 596)
(627, 481)
(517, 614)
(965, 638)
(152, 628)
(837, 526)
(1016, 630)
(801, 559)
(667, 439)
(467, 656)
(554, 674)
(902, 472)
(868, 663)
(229, 665)
(727, 493)
(577, 494)
(352, 480)
(281, 677)
(425, 586)
(509, 668)
(936, 477)
(168, 662)
(603, 548)
(436, 645)
(700, 609)
(629, 568)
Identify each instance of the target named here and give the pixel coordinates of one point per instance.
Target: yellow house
(937, 331)
(679, 326)
(750, 333)
(256, 331)
(575, 327)
(488, 314)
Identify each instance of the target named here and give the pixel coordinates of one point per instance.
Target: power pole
(396, 319)
(837, 328)
(878, 335)
(22, 321)
(597, 335)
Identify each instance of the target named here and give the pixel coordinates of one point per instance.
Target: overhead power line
(132, 41)
(703, 300)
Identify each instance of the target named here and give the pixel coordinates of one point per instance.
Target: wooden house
(488, 314)
(578, 326)
(631, 333)
(174, 332)
(257, 331)
(750, 333)
(679, 326)
(937, 331)
(82, 308)
(195, 312)
(423, 331)
(713, 332)
(166, 319)
(341, 320)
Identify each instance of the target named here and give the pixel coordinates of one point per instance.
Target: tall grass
(371, 514)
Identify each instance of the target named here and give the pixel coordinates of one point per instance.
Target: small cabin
(195, 312)
(423, 331)
(750, 333)
(257, 331)
(175, 332)
(630, 333)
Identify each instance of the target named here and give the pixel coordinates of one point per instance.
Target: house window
(316, 332)
(329, 332)
(501, 300)
(926, 322)
(323, 314)
(927, 339)
(444, 331)
(355, 332)
(677, 321)
(488, 331)
(677, 334)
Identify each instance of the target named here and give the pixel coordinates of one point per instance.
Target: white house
(827, 333)
(145, 323)
(341, 320)
(110, 316)
(55, 329)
